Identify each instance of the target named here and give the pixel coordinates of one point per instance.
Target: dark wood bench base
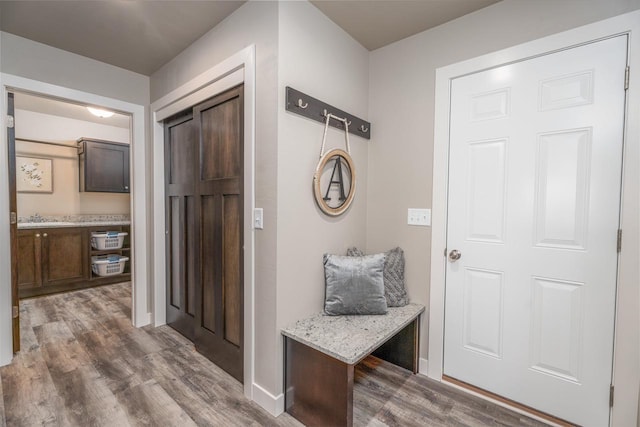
(319, 388)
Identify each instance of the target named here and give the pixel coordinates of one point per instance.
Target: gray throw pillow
(394, 287)
(354, 285)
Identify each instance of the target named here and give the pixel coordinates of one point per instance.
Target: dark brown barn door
(204, 169)
(182, 252)
(13, 225)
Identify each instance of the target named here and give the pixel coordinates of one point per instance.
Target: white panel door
(534, 198)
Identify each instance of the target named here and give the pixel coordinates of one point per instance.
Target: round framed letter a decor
(334, 182)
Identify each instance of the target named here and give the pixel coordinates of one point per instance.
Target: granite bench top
(351, 338)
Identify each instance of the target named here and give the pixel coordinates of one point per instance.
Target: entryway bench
(321, 353)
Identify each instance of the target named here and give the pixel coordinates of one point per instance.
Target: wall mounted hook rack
(314, 109)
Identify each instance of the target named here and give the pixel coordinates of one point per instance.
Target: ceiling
(39, 104)
(142, 36)
(377, 23)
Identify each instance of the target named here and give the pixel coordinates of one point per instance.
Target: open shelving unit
(124, 251)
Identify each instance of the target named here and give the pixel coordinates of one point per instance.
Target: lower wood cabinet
(29, 269)
(52, 260)
(65, 257)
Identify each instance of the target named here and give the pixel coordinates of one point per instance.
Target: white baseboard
(6, 359)
(270, 403)
(423, 364)
(143, 320)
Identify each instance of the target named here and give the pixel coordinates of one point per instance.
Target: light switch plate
(258, 222)
(420, 217)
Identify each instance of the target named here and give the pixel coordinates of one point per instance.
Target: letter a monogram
(340, 181)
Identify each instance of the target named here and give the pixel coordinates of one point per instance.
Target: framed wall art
(34, 175)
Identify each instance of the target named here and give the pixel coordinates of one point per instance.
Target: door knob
(454, 255)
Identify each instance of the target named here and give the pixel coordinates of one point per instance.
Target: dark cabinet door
(64, 256)
(51, 260)
(29, 265)
(104, 166)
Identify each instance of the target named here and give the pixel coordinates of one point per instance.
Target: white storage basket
(104, 240)
(108, 265)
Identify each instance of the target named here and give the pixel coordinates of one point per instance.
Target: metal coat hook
(363, 129)
(348, 122)
(306, 104)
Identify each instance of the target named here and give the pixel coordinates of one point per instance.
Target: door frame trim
(626, 372)
(234, 70)
(139, 310)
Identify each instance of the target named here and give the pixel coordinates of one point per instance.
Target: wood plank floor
(83, 364)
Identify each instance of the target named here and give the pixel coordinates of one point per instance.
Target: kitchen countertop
(62, 221)
(63, 224)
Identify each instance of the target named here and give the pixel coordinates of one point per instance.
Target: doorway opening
(204, 197)
(138, 233)
(235, 70)
(71, 194)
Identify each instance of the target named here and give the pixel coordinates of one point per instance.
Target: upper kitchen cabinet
(104, 166)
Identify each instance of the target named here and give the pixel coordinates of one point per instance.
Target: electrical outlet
(420, 217)
(258, 222)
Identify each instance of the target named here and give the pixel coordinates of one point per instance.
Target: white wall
(253, 23)
(6, 332)
(318, 58)
(296, 45)
(402, 78)
(402, 106)
(37, 61)
(66, 199)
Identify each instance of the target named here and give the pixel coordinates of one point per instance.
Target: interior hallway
(83, 364)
